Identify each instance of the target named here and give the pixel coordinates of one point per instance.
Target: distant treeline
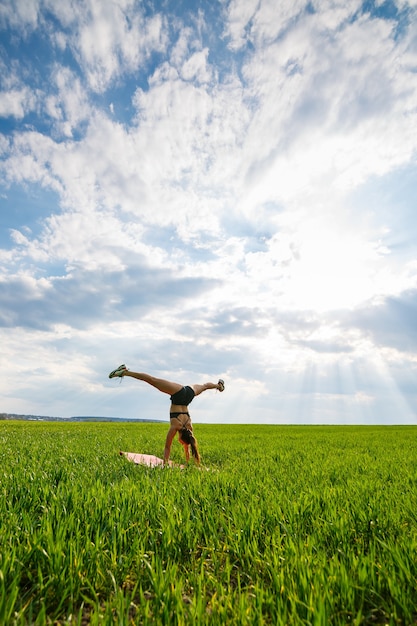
(46, 418)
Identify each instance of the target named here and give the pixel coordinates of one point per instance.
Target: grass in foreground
(292, 525)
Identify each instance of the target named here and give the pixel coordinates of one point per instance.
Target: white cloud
(69, 106)
(21, 14)
(16, 103)
(109, 39)
(196, 68)
(239, 14)
(261, 23)
(16, 98)
(337, 110)
(402, 4)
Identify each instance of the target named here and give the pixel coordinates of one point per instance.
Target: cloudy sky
(204, 189)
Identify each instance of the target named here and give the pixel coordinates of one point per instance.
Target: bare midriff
(178, 408)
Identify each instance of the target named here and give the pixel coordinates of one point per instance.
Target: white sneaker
(118, 373)
(221, 383)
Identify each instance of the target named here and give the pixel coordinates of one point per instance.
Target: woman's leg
(162, 385)
(200, 388)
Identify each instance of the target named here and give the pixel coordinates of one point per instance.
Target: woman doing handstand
(181, 397)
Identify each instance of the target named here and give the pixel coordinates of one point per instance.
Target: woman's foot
(220, 385)
(119, 372)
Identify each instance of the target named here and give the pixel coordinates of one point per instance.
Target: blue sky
(210, 189)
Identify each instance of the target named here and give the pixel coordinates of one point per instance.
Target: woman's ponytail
(186, 435)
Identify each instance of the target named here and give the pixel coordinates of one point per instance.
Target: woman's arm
(168, 442)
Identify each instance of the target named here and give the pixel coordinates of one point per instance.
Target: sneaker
(118, 373)
(221, 383)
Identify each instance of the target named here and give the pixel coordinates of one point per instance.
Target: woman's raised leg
(165, 386)
(200, 388)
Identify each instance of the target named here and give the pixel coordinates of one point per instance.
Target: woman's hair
(186, 435)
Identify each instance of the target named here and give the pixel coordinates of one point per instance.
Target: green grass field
(292, 525)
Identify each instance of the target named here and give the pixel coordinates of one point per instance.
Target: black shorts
(183, 397)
